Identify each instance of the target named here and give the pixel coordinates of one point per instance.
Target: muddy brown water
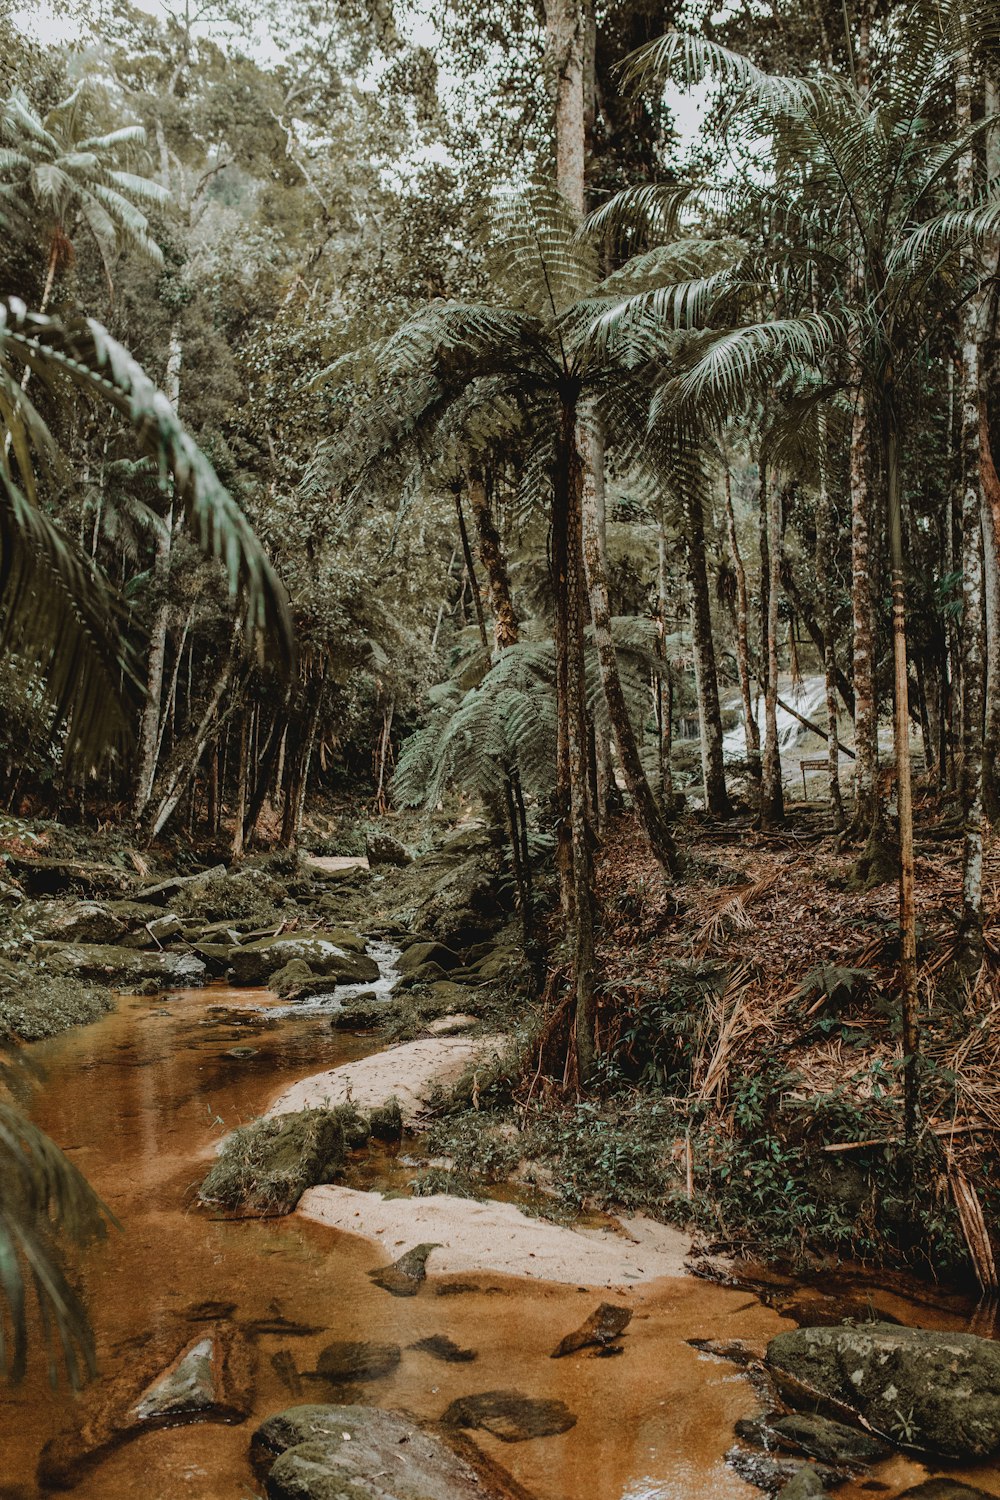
(140, 1099)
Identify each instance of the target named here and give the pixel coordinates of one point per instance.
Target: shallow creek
(140, 1100)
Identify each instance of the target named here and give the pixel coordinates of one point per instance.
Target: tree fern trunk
(470, 569)
(710, 715)
(590, 448)
(505, 624)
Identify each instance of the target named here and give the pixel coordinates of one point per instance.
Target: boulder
(419, 954)
(935, 1392)
(382, 849)
(265, 1167)
(288, 981)
(358, 1453)
(84, 922)
(338, 955)
(120, 967)
(834, 1442)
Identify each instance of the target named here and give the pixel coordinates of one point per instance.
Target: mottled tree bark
(505, 624)
(868, 811)
(826, 533)
(565, 57)
(752, 731)
(716, 795)
(772, 802)
(973, 696)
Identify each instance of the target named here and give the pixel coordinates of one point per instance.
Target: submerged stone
(944, 1489)
(603, 1326)
(946, 1385)
(833, 1441)
(406, 1275)
(186, 1390)
(510, 1416)
(806, 1485)
(440, 1346)
(357, 1361)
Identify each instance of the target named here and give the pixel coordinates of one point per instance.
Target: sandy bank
(498, 1237)
(408, 1072)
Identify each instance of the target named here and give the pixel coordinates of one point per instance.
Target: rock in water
(208, 1379)
(509, 1416)
(358, 1453)
(834, 1442)
(186, 1390)
(935, 1392)
(603, 1326)
(440, 1346)
(359, 1361)
(766, 1472)
(405, 1276)
(806, 1485)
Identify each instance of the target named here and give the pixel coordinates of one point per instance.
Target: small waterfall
(808, 697)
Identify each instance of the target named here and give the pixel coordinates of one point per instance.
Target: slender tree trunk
(470, 569)
(590, 450)
(505, 625)
(991, 557)
(188, 760)
(973, 695)
(664, 680)
(904, 784)
(772, 802)
(868, 811)
(241, 790)
(826, 534)
(149, 735)
(751, 727)
(710, 715)
(382, 757)
(583, 912)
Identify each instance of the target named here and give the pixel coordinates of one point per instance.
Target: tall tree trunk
(565, 46)
(241, 790)
(826, 534)
(904, 784)
(772, 802)
(505, 624)
(751, 727)
(973, 715)
(989, 447)
(188, 755)
(590, 449)
(710, 715)
(149, 728)
(664, 680)
(868, 811)
(583, 911)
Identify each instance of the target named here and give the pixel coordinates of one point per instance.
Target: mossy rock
(34, 1005)
(336, 954)
(418, 955)
(936, 1392)
(265, 1167)
(290, 979)
(386, 1121)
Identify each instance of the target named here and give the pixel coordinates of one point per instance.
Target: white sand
(498, 1237)
(408, 1072)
